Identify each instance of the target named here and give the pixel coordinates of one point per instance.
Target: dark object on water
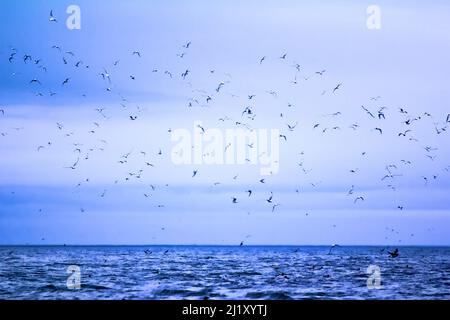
(393, 254)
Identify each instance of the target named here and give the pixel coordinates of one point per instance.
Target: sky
(125, 187)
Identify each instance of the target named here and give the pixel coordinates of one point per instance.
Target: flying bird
(368, 112)
(337, 87)
(358, 198)
(52, 18)
(393, 254)
(73, 167)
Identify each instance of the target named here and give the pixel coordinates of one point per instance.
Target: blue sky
(405, 62)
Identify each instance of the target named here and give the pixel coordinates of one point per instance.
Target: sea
(223, 272)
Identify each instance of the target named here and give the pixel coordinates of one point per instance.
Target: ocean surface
(222, 272)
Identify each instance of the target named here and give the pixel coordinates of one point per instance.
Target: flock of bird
(205, 98)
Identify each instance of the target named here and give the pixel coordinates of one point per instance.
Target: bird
(2, 111)
(187, 45)
(320, 72)
(220, 86)
(194, 173)
(368, 112)
(270, 198)
(292, 127)
(403, 133)
(249, 192)
(332, 247)
(283, 56)
(393, 254)
(448, 118)
(52, 18)
(379, 130)
(234, 199)
(262, 59)
(35, 81)
(185, 73)
(73, 167)
(136, 53)
(66, 81)
(358, 198)
(337, 87)
(274, 207)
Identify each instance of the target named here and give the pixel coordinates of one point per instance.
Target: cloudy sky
(106, 199)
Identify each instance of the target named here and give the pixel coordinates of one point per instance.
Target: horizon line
(225, 245)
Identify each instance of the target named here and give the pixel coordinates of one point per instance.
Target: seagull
(184, 74)
(351, 190)
(187, 45)
(291, 128)
(332, 247)
(66, 81)
(52, 18)
(136, 53)
(220, 86)
(274, 207)
(73, 167)
(283, 56)
(368, 112)
(35, 81)
(448, 118)
(234, 199)
(270, 198)
(337, 87)
(393, 254)
(249, 192)
(26, 57)
(2, 111)
(320, 72)
(379, 130)
(359, 198)
(404, 133)
(194, 173)
(262, 59)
